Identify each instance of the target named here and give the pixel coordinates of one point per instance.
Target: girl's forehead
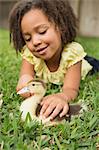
(37, 12)
(35, 17)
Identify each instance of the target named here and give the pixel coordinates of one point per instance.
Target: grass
(81, 133)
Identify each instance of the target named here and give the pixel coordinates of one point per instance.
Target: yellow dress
(71, 54)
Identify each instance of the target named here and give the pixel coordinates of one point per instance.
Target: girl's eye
(27, 40)
(42, 32)
(26, 37)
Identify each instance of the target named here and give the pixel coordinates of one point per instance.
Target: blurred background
(87, 11)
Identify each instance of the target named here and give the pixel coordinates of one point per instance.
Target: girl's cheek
(30, 46)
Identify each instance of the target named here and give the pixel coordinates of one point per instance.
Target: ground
(81, 133)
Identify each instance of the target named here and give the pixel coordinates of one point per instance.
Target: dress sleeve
(75, 53)
(37, 62)
(26, 54)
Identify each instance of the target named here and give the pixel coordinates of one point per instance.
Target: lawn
(81, 133)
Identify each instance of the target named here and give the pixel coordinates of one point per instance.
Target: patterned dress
(71, 54)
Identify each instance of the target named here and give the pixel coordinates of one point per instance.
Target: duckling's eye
(33, 84)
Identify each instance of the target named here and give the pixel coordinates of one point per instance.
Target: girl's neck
(53, 63)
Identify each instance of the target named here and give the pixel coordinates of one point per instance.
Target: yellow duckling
(31, 104)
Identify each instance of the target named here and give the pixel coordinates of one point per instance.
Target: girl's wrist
(66, 97)
(23, 80)
(69, 95)
(26, 76)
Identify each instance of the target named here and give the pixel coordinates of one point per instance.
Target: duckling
(32, 106)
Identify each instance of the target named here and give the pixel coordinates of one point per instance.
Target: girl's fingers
(25, 95)
(42, 103)
(45, 100)
(49, 110)
(56, 111)
(44, 107)
(65, 110)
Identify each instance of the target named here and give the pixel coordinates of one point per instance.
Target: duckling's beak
(24, 90)
(30, 86)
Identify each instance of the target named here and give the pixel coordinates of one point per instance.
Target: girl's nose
(36, 40)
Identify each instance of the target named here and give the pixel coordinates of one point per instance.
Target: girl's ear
(58, 29)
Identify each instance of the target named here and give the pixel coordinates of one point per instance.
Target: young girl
(43, 31)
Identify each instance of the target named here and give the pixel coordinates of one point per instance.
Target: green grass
(81, 133)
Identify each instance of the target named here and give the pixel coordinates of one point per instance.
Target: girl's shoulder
(74, 46)
(72, 53)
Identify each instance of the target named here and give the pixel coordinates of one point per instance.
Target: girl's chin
(44, 57)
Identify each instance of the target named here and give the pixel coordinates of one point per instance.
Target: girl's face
(41, 36)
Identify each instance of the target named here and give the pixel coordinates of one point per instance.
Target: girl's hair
(57, 11)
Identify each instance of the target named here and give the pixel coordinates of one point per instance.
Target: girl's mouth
(41, 51)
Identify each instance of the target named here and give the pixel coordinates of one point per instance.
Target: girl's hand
(24, 79)
(54, 104)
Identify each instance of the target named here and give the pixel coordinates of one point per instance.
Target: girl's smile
(42, 50)
(41, 36)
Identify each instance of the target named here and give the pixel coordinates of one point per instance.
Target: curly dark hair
(58, 11)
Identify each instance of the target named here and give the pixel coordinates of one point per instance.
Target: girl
(43, 31)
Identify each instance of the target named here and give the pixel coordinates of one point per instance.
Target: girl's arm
(26, 74)
(26, 68)
(72, 81)
(53, 104)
